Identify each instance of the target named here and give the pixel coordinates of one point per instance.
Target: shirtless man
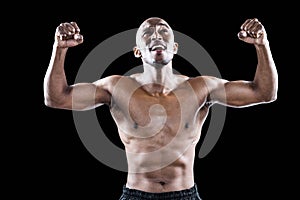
(159, 114)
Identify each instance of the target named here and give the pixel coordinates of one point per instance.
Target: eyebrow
(161, 24)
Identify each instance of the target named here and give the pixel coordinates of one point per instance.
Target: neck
(158, 79)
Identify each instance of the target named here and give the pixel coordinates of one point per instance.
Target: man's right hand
(68, 35)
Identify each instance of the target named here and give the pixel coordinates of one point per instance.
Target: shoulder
(199, 80)
(134, 76)
(210, 82)
(111, 80)
(181, 79)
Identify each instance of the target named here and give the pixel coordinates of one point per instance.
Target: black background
(253, 156)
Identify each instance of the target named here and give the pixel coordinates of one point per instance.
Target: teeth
(157, 46)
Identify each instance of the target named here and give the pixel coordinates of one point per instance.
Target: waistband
(191, 192)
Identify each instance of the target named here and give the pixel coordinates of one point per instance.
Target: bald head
(155, 42)
(151, 22)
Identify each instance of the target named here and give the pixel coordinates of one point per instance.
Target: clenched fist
(68, 35)
(253, 32)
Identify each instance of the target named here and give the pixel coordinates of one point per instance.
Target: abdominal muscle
(160, 167)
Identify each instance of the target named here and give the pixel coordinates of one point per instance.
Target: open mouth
(158, 47)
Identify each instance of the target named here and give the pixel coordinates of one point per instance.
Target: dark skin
(161, 118)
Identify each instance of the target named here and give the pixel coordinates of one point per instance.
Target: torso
(159, 132)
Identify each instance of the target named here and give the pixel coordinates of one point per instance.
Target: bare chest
(144, 108)
(152, 113)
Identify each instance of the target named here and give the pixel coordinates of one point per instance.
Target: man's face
(155, 41)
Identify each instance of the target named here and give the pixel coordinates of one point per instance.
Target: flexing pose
(159, 114)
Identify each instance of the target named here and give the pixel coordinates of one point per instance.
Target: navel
(162, 183)
(186, 126)
(135, 125)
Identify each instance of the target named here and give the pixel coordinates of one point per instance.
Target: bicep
(241, 93)
(88, 96)
(85, 96)
(233, 93)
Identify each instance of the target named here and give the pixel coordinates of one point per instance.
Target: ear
(175, 48)
(137, 52)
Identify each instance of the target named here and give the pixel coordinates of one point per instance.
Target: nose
(156, 35)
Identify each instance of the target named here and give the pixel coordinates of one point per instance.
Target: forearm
(55, 83)
(266, 78)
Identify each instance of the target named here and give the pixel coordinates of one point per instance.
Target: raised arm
(263, 88)
(57, 92)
